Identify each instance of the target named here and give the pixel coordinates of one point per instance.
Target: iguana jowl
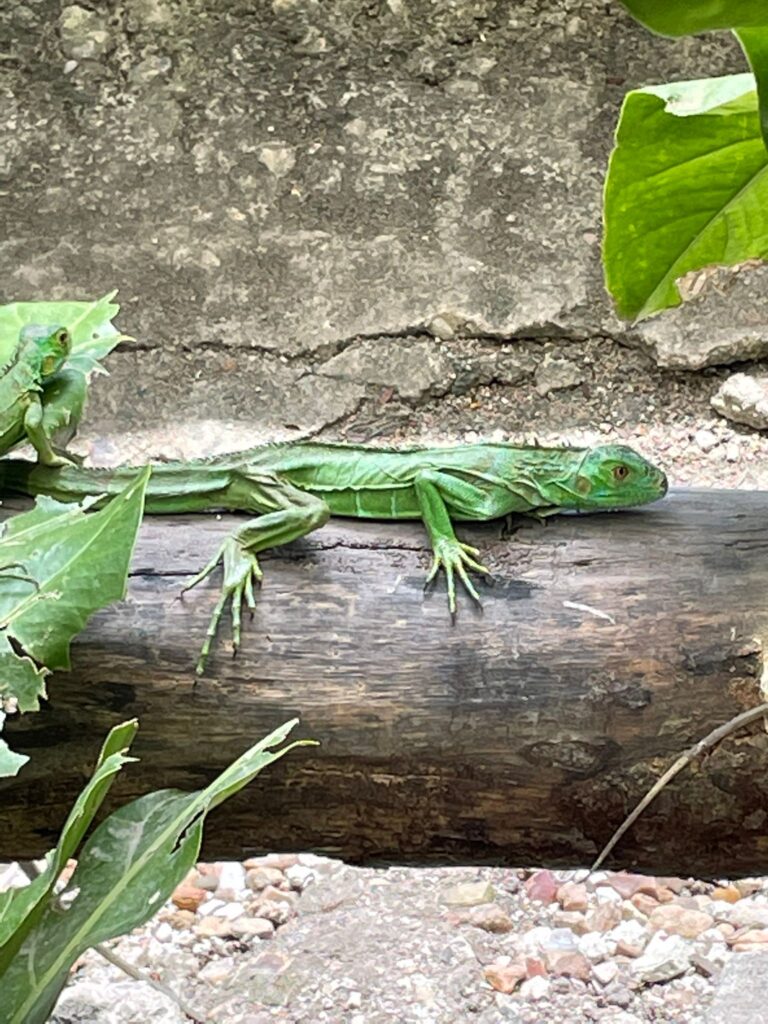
(293, 488)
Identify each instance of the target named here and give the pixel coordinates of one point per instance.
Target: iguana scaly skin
(39, 400)
(294, 487)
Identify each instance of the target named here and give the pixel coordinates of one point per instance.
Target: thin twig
(137, 975)
(745, 718)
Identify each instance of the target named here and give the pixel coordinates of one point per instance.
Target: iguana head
(52, 345)
(614, 476)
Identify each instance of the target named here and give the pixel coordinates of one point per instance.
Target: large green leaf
(90, 324)
(20, 909)
(127, 870)
(687, 187)
(754, 42)
(685, 17)
(748, 18)
(79, 562)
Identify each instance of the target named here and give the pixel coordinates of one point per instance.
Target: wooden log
(520, 735)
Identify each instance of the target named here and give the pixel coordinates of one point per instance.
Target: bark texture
(524, 734)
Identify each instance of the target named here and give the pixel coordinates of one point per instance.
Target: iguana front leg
(287, 514)
(63, 403)
(432, 489)
(52, 416)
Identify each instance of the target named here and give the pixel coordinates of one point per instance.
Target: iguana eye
(621, 472)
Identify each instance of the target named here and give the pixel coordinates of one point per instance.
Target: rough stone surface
(724, 320)
(556, 374)
(365, 220)
(413, 368)
(121, 1002)
(84, 34)
(742, 991)
(743, 398)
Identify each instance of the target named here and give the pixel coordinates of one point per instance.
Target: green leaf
(79, 563)
(685, 17)
(20, 677)
(748, 18)
(754, 43)
(20, 909)
(126, 871)
(687, 187)
(10, 763)
(90, 324)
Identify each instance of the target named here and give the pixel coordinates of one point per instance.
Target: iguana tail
(67, 483)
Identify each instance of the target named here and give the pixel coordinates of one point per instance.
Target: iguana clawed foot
(453, 556)
(241, 571)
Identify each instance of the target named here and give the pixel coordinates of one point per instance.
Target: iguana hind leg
(287, 514)
(437, 491)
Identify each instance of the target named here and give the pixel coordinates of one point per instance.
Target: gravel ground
(300, 938)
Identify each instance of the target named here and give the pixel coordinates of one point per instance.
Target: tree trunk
(524, 734)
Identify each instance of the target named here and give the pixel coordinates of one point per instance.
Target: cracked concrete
(362, 218)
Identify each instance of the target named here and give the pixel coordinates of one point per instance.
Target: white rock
(218, 970)
(12, 877)
(631, 932)
(253, 927)
(605, 972)
(229, 911)
(596, 946)
(607, 895)
(665, 957)
(743, 398)
(718, 952)
(747, 914)
(232, 876)
(164, 932)
(115, 1002)
(535, 988)
(300, 876)
(535, 939)
(278, 158)
(278, 913)
(559, 939)
(706, 439)
(85, 34)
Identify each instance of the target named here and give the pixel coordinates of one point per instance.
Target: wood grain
(522, 734)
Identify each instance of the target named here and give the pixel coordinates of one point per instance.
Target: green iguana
(45, 370)
(295, 486)
(40, 400)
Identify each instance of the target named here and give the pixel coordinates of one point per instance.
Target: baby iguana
(40, 401)
(294, 487)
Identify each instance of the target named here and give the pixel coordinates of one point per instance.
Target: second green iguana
(294, 487)
(41, 401)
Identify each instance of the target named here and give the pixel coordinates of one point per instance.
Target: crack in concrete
(328, 350)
